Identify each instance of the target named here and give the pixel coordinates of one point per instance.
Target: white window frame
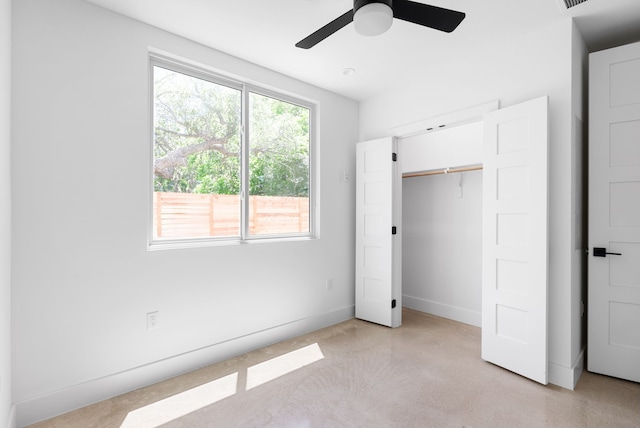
(200, 72)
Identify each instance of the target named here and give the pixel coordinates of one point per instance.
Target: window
(231, 162)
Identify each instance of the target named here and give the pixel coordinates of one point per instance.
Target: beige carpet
(427, 373)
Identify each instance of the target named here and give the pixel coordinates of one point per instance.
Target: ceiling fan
(374, 17)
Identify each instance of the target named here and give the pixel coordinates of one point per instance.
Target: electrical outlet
(152, 320)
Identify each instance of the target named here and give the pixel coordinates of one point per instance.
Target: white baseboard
(80, 395)
(567, 377)
(11, 421)
(442, 310)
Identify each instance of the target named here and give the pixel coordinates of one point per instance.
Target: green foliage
(279, 147)
(198, 142)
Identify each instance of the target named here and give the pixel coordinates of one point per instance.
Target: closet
(442, 222)
(514, 229)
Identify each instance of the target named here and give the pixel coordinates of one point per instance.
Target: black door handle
(602, 252)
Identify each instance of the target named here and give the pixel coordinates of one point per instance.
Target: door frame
(461, 117)
(450, 120)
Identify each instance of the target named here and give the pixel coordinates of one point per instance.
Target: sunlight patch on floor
(179, 405)
(279, 366)
(176, 406)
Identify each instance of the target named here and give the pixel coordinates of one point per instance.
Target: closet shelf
(443, 171)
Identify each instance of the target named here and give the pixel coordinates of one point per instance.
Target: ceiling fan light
(373, 19)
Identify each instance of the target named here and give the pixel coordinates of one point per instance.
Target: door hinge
(394, 157)
(393, 304)
(394, 230)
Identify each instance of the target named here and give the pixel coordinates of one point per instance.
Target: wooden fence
(187, 215)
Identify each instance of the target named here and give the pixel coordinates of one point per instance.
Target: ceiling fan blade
(326, 31)
(430, 16)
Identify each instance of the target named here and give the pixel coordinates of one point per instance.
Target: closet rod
(443, 171)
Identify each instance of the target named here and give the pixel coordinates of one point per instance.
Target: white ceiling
(264, 32)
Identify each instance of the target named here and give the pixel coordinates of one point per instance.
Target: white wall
(518, 70)
(442, 245)
(5, 213)
(83, 280)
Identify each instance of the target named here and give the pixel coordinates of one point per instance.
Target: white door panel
(515, 244)
(614, 213)
(378, 292)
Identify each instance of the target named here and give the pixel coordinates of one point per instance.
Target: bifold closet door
(378, 238)
(515, 239)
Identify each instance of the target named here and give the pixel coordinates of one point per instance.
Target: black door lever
(602, 252)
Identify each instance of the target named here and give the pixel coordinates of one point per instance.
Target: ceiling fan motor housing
(357, 4)
(372, 18)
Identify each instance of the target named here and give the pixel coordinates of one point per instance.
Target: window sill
(176, 244)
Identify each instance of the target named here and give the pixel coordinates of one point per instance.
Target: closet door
(378, 242)
(515, 244)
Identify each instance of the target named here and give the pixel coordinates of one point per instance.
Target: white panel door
(378, 205)
(614, 213)
(515, 245)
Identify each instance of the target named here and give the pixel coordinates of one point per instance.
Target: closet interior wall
(442, 223)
